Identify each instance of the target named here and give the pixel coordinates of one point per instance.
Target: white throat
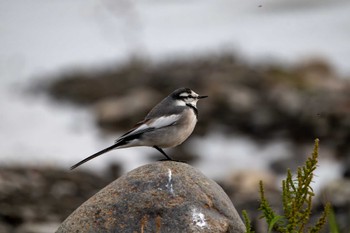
(184, 103)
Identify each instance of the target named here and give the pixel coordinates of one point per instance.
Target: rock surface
(160, 197)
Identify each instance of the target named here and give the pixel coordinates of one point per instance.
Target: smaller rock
(35, 197)
(281, 165)
(338, 192)
(37, 227)
(243, 187)
(5, 227)
(346, 164)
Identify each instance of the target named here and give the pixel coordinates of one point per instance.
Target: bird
(168, 124)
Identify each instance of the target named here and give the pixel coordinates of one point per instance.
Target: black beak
(202, 96)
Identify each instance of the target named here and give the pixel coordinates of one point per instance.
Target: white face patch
(187, 98)
(184, 94)
(180, 103)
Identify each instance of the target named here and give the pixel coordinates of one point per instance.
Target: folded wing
(148, 125)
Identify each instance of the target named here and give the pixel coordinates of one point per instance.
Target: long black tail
(94, 156)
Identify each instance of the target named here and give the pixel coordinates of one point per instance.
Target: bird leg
(161, 151)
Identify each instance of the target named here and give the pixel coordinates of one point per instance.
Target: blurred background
(76, 74)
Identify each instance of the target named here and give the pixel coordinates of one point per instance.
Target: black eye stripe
(186, 97)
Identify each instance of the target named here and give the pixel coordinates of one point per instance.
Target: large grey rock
(160, 197)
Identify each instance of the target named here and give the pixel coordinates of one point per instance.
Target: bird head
(186, 96)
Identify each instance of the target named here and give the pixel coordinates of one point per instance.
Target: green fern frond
(322, 220)
(247, 222)
(297, 195)
(273, 220)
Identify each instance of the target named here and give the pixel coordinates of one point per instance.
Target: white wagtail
(168, 124)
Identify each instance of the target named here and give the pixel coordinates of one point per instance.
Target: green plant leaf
(333, 225)
(274, 221)
(247, 222)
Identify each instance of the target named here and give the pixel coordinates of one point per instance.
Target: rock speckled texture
(160, 197)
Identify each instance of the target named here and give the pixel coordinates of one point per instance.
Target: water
(43, 37)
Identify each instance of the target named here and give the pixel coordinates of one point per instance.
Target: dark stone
(160, 197)
(337, 192)
(346, 164)
(34, 199)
